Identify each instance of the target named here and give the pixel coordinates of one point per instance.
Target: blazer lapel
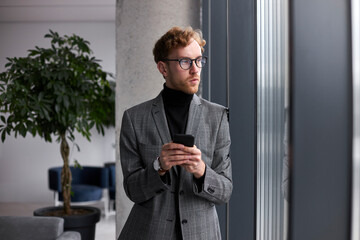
(158, 113)
(194, 116)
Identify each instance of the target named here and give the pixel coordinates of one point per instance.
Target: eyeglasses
(186, 63)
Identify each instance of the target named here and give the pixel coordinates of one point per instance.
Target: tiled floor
(105, 229)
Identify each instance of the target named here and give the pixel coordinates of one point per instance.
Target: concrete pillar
(139, 23)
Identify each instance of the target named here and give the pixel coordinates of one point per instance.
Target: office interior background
(288, 71)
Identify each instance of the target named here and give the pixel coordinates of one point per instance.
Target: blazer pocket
(149, 152)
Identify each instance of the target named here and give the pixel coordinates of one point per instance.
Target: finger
(180, 157)
(171, 160)
(191, 150)
(177, 152)
(168, 163)
(179, 162)
(191, 168)
(193, 165)
(194, 158)
(174, 156)
(172, 146)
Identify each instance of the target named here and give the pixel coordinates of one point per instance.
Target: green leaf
(33, 52)
(57, 108)
(23, 112)
(33, 131)
(46, 113)
(71, 136)
(66, 101)
(77, 164)
(77, 146)
(59, 98)
(40, 96)
(3, 135)
(22, 130)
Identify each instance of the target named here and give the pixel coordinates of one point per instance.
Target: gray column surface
(139, 23)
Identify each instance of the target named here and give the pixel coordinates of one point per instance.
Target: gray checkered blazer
(144, 130)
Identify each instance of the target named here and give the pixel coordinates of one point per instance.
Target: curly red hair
(176, 37)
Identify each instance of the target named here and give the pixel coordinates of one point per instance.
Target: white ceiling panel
(56, 10)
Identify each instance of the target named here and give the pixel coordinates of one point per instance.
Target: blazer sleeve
(217, 186)
(141, 181)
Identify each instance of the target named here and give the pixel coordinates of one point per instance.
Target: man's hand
(172, 154)
(195, 165)
(189, 158)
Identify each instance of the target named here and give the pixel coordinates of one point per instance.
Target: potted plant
(53, 92)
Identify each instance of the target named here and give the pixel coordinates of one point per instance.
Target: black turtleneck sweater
(176, 104)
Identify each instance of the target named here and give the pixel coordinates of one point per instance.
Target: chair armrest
(112, 174)
(69, 235)
(29, 227)
(104, 179)
(55, 178)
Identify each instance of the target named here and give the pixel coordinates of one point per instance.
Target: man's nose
(194, 68)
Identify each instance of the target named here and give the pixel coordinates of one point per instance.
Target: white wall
(24, 161)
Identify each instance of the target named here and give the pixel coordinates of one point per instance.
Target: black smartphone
(185, 139)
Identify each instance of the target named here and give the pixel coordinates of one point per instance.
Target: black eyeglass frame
(186, 58)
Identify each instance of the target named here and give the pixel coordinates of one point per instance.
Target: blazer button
(184, 221)
(181, 192)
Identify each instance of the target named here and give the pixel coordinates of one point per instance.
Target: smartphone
(185, 139)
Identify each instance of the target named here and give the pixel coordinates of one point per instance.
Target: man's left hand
(194, 164)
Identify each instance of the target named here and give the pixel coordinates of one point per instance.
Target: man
(174, 187)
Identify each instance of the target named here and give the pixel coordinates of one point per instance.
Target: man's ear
(162, 68)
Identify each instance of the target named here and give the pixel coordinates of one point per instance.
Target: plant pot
(84, 224)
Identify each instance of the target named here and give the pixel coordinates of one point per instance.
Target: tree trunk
(65, 174)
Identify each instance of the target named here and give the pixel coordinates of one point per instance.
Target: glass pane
(272, 119)
(355, 15)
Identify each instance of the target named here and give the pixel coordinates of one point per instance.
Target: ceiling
(56, 10)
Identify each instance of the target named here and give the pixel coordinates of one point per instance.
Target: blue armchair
(89, 185)
(112, 184)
